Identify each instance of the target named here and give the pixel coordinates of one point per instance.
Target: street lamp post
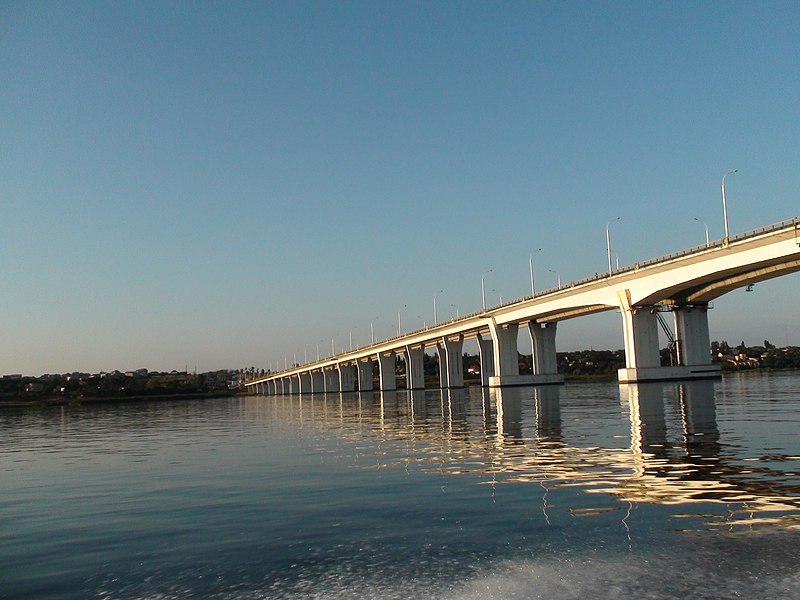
(725, 203)
(608, 241)
(483, 288)
(399, 329)
(708, 241)
(557, 275)
(435, 320)
(530, 264)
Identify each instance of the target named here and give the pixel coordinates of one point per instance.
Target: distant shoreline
(61, 401)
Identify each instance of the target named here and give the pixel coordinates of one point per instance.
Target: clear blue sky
(219, 185)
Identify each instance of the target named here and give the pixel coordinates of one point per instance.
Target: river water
(677, 490)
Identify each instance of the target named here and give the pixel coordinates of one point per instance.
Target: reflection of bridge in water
(673, 452)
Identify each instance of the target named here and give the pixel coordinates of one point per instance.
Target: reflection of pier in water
(516, 435)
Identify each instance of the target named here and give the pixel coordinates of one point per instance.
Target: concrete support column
(386, 376)
(365, 370)
(317, 382)
(451, 362)
(691, 331)
(506, 353)
(642, 358)
(543, 342)
(640, 331)
(347, 378)
(305, 383)
(331, 380)
(506, 356)
(285, 385)
(415, 368)
(294, 384)
(641, 338)
(443, 374)
(486, 350)
(272, 387)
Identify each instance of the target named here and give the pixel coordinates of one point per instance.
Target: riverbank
(21, 402)
(62, 401)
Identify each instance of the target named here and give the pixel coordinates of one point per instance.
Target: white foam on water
(725, 568)
(699, 575)
(619, 579)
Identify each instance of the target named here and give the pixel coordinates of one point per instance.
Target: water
(584, 490)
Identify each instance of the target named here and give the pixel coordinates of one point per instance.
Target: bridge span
(682, 283)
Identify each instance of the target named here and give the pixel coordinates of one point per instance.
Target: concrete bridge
(682, 283)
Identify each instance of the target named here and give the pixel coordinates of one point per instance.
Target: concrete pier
(451, 362)
(642, 354)
(347, 378)
(365, 369)
(386, 374)
(415, 368)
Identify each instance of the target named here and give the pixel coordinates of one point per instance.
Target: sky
(210, 185)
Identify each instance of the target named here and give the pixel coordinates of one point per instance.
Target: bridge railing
(794, 221)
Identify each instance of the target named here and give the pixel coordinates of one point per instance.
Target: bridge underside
(711, 287)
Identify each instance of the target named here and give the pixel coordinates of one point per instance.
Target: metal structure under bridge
(682, 283)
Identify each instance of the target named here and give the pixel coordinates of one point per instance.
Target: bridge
(682, 283)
